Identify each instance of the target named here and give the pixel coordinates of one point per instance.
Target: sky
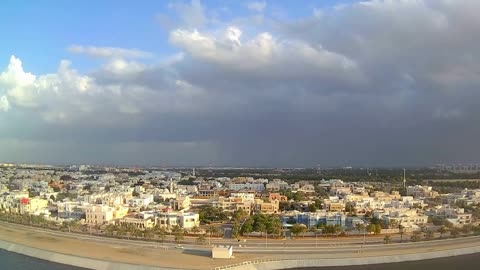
(240, 83)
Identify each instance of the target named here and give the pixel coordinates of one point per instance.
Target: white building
(143, 200)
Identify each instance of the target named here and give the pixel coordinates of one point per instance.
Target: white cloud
(123, 67)
(257, 6)
(17, 83)
(261, 51)
(109, 52)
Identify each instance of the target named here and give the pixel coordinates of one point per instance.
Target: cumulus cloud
(257, 6)
(262, 54)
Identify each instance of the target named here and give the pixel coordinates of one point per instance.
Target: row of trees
(209, 214)
(40, 221)
(244, 224)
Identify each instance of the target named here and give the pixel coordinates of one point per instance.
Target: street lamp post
(266, 238)
(364, 236)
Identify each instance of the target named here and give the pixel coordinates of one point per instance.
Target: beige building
(182, 203)
(140, 222)
(33, 206)
(99, 214)
(168, 219)
(267, 207)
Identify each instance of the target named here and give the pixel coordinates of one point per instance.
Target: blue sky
(240, 83)
(40, 31)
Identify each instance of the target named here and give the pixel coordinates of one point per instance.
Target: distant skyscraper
(193, 172)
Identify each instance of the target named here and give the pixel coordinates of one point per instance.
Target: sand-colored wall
(285, 264)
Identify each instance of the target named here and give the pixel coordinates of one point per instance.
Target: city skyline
(240, 83)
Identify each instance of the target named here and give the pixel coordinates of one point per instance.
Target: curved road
(334, 246)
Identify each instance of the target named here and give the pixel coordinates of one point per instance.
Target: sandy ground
(174, 258)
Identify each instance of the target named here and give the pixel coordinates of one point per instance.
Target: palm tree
(360, 227)
(467, 229)
(178, 232)
(455, 232)
(401, 231)
(211, 230)
(160, 232)
(442, 230)
(416, 236)
(195, 230)
(201, 239)
(148, 233)
(393, 223)
(122, 231)
(74, 225)
(429, 235)
(65, 226)
(387, 239)
(110, 229)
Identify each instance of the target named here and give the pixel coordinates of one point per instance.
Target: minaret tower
(193, 172)
(404, 180)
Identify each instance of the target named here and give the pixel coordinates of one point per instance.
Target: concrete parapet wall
(74, 260)
(285, 264)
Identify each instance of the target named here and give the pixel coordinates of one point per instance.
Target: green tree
(239, 215)
(236, 229)
(371, 228)
(247, 226)
(360, 227)
(350, 209)
(297, 229)
(291, 220)
(210, 214)
(275, 225)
